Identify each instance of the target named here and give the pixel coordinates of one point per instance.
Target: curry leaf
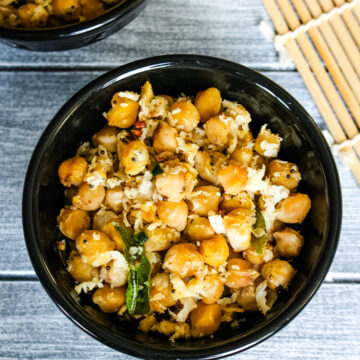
(259, 242)
(157, 170)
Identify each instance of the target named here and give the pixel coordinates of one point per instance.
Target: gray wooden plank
(222, 28)
(28, 102)
(33, 328)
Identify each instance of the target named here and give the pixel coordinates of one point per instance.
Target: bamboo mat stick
(289, 14)
(276, 16)
(356, 9)
(352, 24)
(335, 72)
(302, 10)
(327, 5)
(339, 2)
(321, 102)
(347, 41)
(327, 85)
(314, 8)
(341, 58)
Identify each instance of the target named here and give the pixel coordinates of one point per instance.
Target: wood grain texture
(35, 328)
(28, 102)
(222, 28)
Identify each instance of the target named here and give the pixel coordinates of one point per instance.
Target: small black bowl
(73, 36)
(268, 103)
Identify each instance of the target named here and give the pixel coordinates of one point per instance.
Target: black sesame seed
(114, 102)
(133, 159)
(292, 171)
(108, 267)
(211, 163)
(91, 186)
(173, 291)
(232, 196)
(287, 176)
(102, 152)
(84, 241)
(211, 157)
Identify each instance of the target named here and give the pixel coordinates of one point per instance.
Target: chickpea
(213, 288)
(199, 229)
(91, 8)
(247, 297)
(243, 155)
(183, 259)
(277, 273)
(88, 197)
(284, 173)
(134, 157)
(177, 181)
(173, 214)
(94, 245)
(267, 144)
(123, 113)
(80, 270)
(161, 296)
(293, 209)
(218, 131)
(238, 228)
(109, 299)
(205, 199)
(208, 165)
(106, 137)
(72, 171)
(208, 102)
(73, 222)
(288, 243)
(240, 273)
(161, 239)
(233, 177)
(116, 271)
(165, 138)
(32, 15)
(240, 200)
(205, 319)
(215, 250)
(184, 115)
(258, 259)
(113, 198)
(69, 10)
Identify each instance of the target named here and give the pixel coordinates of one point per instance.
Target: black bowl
(73, 36)
(268, 103)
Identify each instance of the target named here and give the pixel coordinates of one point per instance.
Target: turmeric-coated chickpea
(288, 243)
(72, 171)
(91, 8)
(32, 16)
(243, 155)
(165, 138)
(215, 250)
(184, 115)
(94, 245)
(134, 157)
(115, 272)
(208, 102)
(293, 209)
(113, 198)
(183, 259)
(233, 177)
(161, 239)
(208, 164)
(240, 200)
(88, 197)
(267, 144)
(109, 299)
(218, 130)
(205, 319)
(69, 10)
(213, 288)
(80, 270)
(284, 173)
(205, 199)
(161, 296)
(258, 259)
(240, 273)
(247, 297)
(199, 229)
(123, 113)
(72, 222)
(106, 137)
(277, 273)
(173, 214)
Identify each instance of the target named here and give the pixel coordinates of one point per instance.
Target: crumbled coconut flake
(83, 149)
(255, 182)
(260, 295)
(104, 114)
(154, 225)
(113, 182)
(188, 305)
(270, 149)
(87, 286)
(123, 134)
(228, 300)
(95, 179)
(129, 95)
(176, 111)
(96, 235)
(182, 290)
(124, 105)
(131, 193)
(217, 223)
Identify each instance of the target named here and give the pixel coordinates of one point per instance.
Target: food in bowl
(177, 216)
(51, 13)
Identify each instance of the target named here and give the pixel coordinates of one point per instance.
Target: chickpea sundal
(178, 216)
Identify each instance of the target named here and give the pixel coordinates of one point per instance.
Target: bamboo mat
(322, 37)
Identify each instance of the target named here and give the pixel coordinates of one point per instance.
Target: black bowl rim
(61, 32)
(143, 350)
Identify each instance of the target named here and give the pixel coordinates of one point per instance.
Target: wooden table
(33, 86)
